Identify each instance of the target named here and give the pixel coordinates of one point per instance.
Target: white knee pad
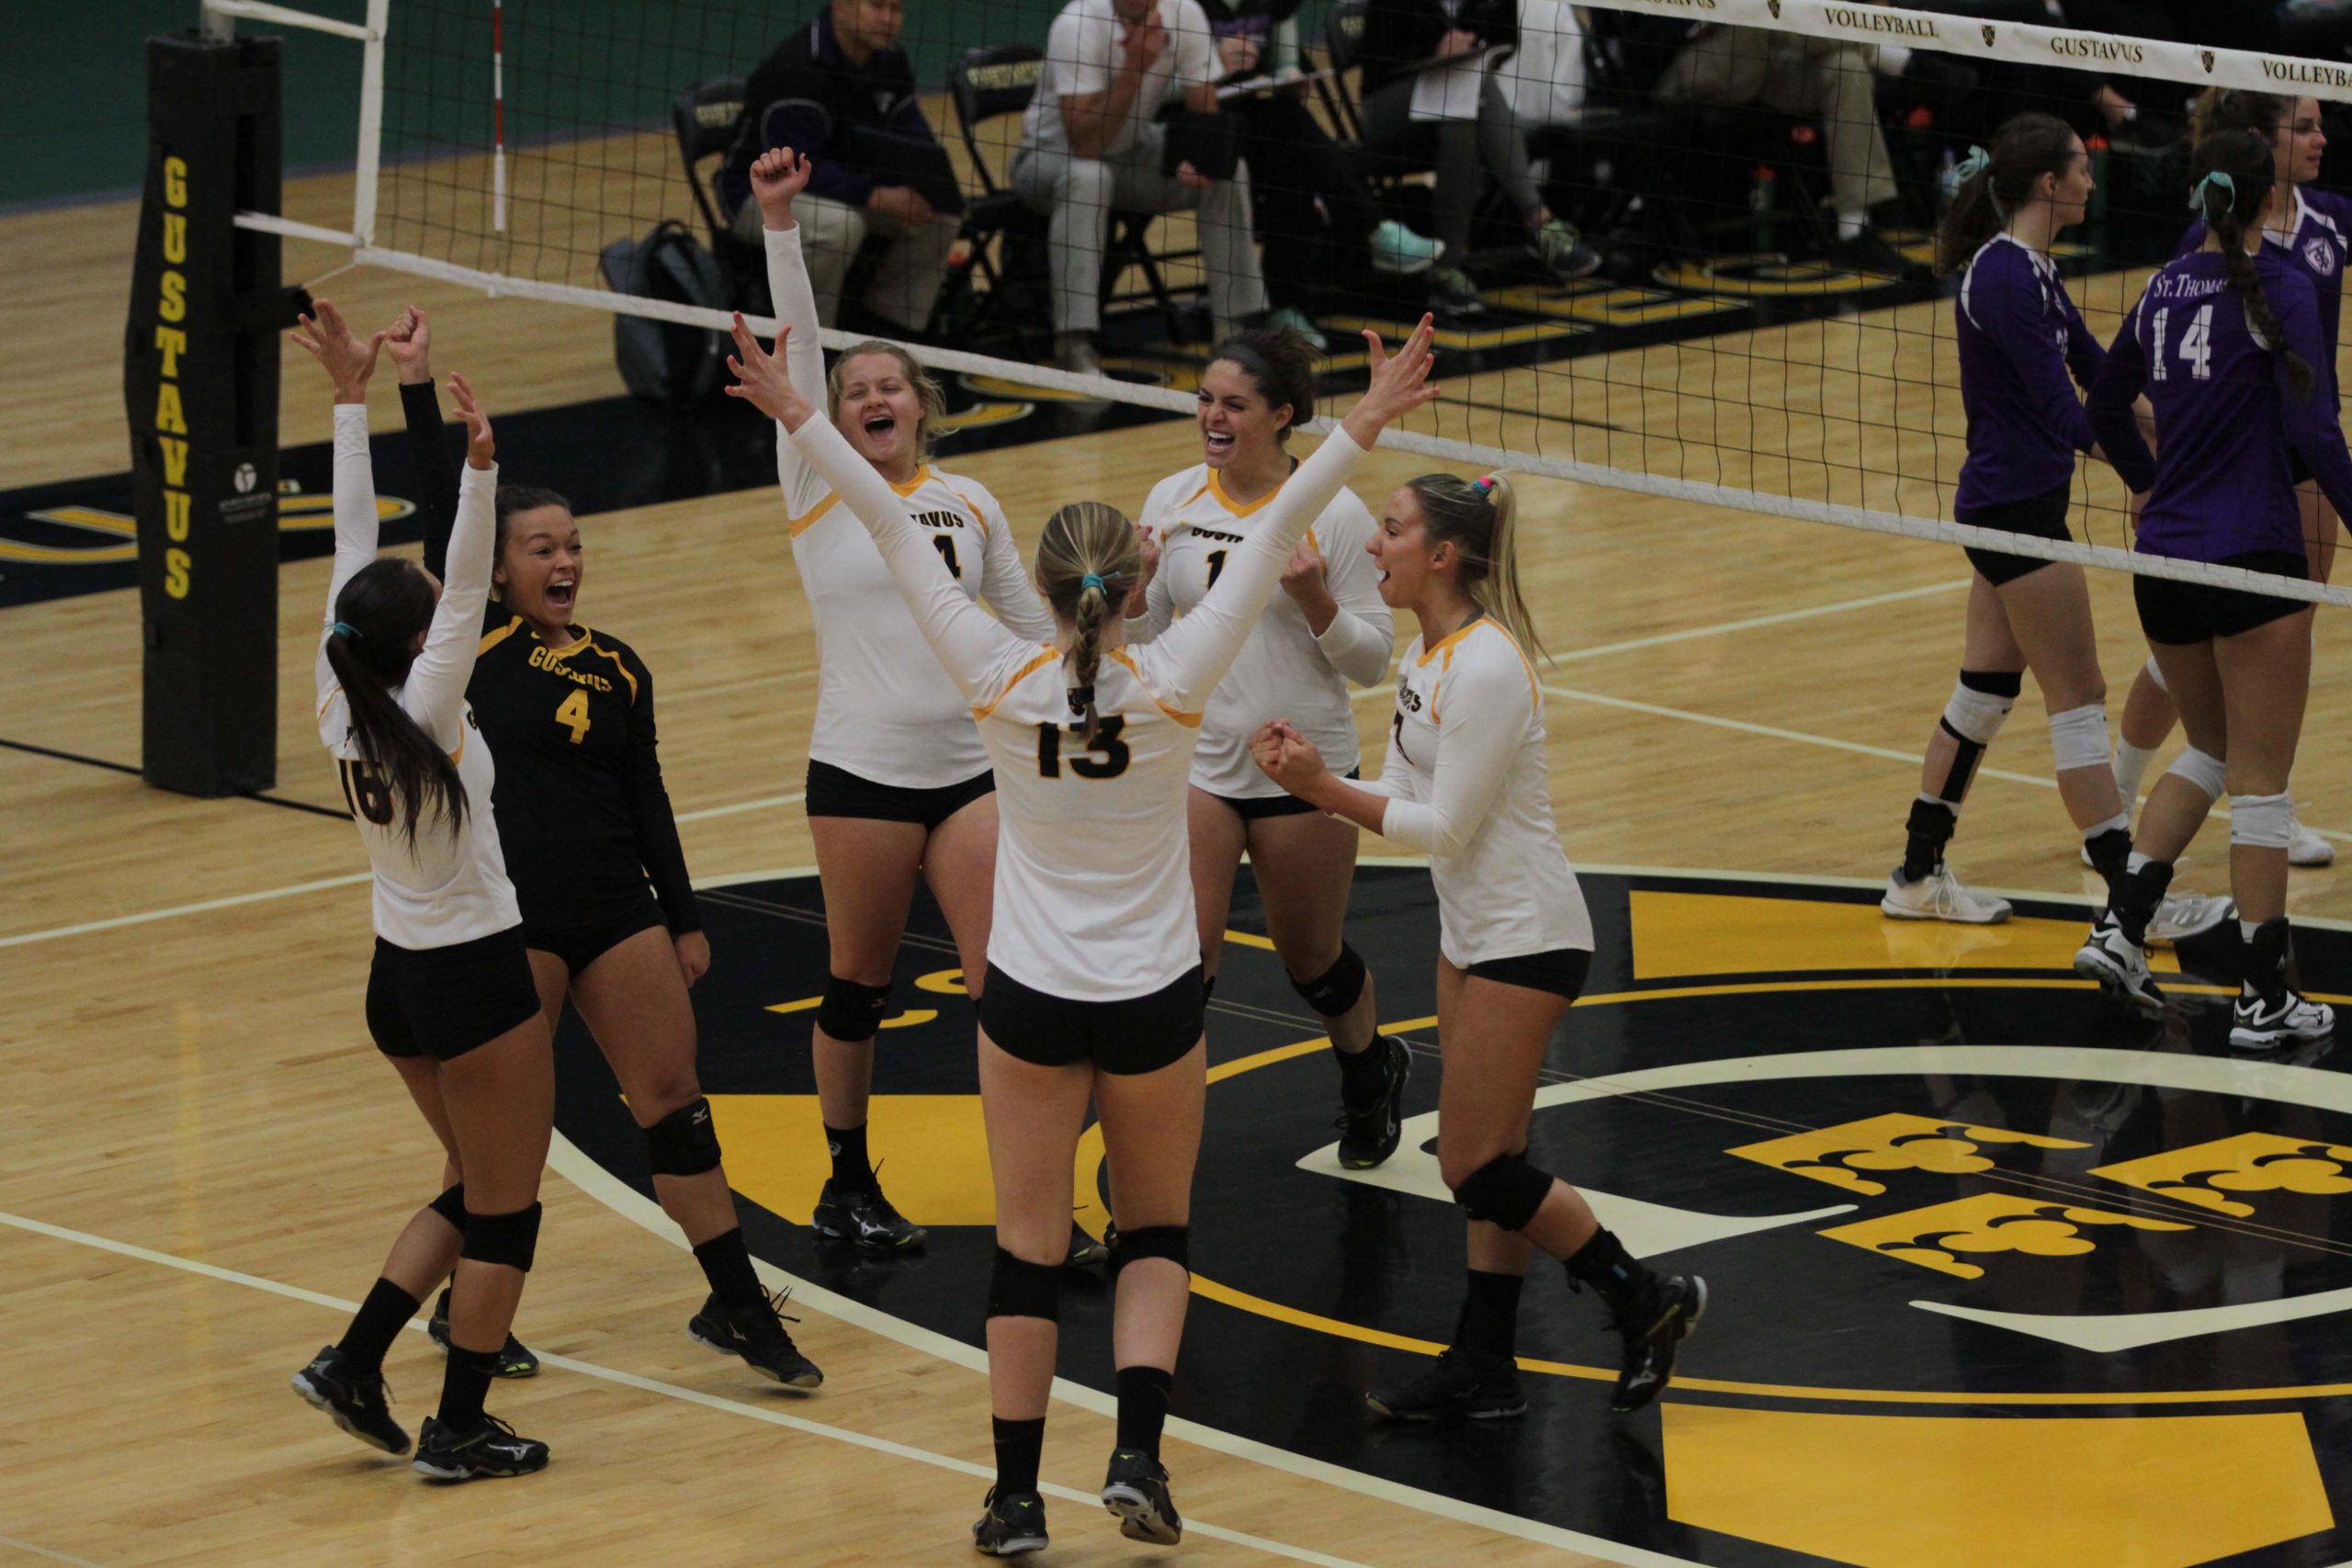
(2078, 737)
(2262, 821)
(2156, 674)
(2207, 772)
(1977, 716)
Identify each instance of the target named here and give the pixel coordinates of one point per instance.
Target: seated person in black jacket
(844, 70)
(1471, 133)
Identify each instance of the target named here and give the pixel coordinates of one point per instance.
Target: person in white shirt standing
(450, 1000)
(899, 784)
(1329, 627)
(1465, 783)
(1089, 146)
(1094, 967)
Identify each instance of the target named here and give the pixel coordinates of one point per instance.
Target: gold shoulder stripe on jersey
(333, 692)
(1189, 720)
(979, 516)
(1050, 654)
(810, 519)
(491, 639)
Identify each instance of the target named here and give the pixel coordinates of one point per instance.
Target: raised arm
(1190, 658)
(434, 694)
(348, 361)
(1004, 582)
(778, 175)
(1361, 634)
(975, 651)
(409, 340)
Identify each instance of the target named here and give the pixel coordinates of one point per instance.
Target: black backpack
(664, 361)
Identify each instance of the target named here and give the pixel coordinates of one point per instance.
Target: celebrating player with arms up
(1094, 984)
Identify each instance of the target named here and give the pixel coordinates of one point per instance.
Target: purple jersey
(2019, 336)
(2317, 249)
(2225, 416)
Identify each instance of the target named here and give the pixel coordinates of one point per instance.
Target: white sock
(2131, 765)
(2247, 928)
(2136, 861)
(2121, 819)
(1850, 225)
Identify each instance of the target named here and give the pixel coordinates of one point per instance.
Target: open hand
(349, 359)
(762, 380)
(777, 175)
(481, 452)
(1400, 383)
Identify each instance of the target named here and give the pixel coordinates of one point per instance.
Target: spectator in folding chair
(1833, 81)
(1317, 211)
(825, 90)
(1431, 92)
(1090, 145)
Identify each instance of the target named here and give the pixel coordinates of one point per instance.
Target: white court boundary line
(11, 1541)
(774, 1417)
(566, 1159)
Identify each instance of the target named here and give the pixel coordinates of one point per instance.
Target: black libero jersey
(580, 803)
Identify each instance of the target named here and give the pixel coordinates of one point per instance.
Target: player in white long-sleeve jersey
(1465, 783)
(450, 1000)
(1094, 984)
(1327, 628)
(899, 783)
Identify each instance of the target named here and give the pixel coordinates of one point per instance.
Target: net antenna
(537, 254)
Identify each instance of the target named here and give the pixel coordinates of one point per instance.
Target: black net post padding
(201, 390)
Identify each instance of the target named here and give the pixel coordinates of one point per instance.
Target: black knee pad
(1504, 1191)
(1172, 1242)
(1334, 991)
(850, 1011)
(684, 1143)
(511, 1239)
(451, 1206)
(1018, 1288)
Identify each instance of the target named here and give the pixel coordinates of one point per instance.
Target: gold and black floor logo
(1999, 1275)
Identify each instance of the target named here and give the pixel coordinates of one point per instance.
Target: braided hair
(2234, 175)
(1088, 561)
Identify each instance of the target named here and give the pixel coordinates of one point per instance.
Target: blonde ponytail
(1088, 560)
(1478, 519)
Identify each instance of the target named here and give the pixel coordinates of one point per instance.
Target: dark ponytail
(2229, 204)
(2217, 109)
(1279, 363)
(378, 617)
(2026, 148)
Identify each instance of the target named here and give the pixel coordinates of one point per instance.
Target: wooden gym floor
(204, 1161)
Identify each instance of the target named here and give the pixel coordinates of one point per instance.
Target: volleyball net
(1758, 182)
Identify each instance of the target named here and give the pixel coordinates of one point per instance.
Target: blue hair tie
(1092, 580)
(345, 628)
(1975, 164)
(1484, 485)
(2196, 196)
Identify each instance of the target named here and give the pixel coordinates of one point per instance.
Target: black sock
(2136, 899)
(464, 1386)
(2110, 855)
(728, 1266)
(381, 1317)
(1490, 1320)
(2266, 961)
(1620, 1277)
(1018, 1444)
(1931, 827)
(1364, 1074)
(1143, 1408)
(850, 1167)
